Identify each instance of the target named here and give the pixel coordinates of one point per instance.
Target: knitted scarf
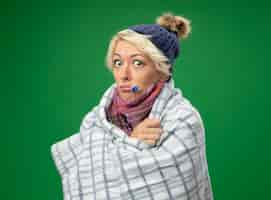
(127, 114)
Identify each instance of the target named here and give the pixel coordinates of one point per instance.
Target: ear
(163, 77)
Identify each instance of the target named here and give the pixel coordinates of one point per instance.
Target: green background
(53, 72)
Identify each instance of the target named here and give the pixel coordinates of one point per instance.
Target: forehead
(126, 48)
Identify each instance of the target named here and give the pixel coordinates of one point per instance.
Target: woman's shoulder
(180, 109)
(88, 120)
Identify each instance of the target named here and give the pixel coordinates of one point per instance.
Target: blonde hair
(143, 44)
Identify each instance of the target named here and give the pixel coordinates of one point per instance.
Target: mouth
(124, 86)
(125, 89)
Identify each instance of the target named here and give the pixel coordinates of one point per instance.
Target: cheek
(146, 78)
(115, 75)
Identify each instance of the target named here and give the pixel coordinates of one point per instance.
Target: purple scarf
(127, 114)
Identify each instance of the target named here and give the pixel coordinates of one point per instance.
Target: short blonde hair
(141, 42)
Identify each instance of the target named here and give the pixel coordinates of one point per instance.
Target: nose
(125, 73)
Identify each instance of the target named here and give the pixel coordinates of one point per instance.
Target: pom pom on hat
(178, 24)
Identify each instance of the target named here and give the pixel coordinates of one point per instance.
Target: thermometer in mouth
(135, 88)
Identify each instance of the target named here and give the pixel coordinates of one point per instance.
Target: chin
(127, 97)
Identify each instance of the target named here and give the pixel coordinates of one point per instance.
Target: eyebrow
(133, 55)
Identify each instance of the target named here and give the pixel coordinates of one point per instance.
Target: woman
(144, 140)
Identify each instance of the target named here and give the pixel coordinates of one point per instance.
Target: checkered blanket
(102, 162)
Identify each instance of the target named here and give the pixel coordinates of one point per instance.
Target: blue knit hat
(165, 34)
(165, 40)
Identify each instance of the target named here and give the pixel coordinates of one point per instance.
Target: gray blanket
(101, 161)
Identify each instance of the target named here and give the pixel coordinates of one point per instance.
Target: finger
(147, 132)
(151, 136)
(150, 141)
(153, 123)
(157, 131)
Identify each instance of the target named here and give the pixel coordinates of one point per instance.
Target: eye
(116, 63)
(138, 63)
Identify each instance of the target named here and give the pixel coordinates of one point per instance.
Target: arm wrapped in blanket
(176, 168)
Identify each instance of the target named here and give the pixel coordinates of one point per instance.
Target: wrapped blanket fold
(102, 162)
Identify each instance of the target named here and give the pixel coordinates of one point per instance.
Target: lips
(124, 86)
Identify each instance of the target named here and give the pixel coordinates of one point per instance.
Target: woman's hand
(149, 130)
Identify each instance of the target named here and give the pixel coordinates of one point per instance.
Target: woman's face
(131, 67)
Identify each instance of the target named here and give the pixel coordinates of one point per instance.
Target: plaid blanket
(101, 161)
